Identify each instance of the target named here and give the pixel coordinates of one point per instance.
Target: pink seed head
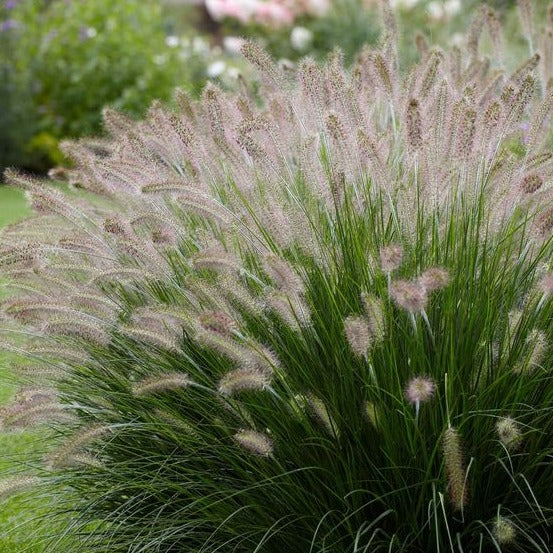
(390, 257)
(434, 278)
(546, 284)
(409, 295)
(420, 389)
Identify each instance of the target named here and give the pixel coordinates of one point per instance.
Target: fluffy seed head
(32, 415)
(293, 310)
(531, 183)
(409, 295)
(504, 530)
(509, 433)
(391, 257)
(160, 338)
(17, 484)
(283, 275)
(68, 453)
(453, 458)
(161, 383)
(466, 131)
(215, 259)
(420, 389)
(358, 334)
(374, 311)
(538, 344)
(218, 322)
(243, 379)
(434, 279)
(255, 442)
(318, 408)
(544, 222)
(546, 284)
(492, 115)
(414, 125)
(383, 73)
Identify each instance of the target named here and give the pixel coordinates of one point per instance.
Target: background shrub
(64, 61)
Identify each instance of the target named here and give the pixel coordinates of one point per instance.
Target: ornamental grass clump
(317, 319)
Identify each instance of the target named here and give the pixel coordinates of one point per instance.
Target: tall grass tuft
(317, 320)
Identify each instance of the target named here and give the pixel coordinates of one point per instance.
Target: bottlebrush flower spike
(409, 295)
(161, 383)
(391, 257)
(420, 390)
(538, 345)
(284, 275)
(414, 125)
(65, 454)
(374, 311)
(218, 322)
(17, 484)
(504, 530)
(433, 279)
(455, 468)
(531, 183)
(358, 334)
(254, 442)
(546, 284)
(243, 379)
(509, 432)
(319, 409)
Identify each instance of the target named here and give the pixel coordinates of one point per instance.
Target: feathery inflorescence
(233, 304)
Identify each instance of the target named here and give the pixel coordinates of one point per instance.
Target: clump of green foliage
(62, 62)
(319, 322)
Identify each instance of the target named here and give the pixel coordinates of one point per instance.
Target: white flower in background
(233, 73)
(452, 7)
(435, 10)
(233, 44)
(91, 32)
(301, 38)
(405, 4)
(172, 41)
(317, 7)
(456, 39)
(160, 59)
(216, 69)
(200, 45)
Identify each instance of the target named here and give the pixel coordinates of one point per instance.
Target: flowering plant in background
(272, 13)
(291, 29)
(316, 316)
(70, 59)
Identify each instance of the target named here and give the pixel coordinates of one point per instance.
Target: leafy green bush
(319, 324)
(63, 61)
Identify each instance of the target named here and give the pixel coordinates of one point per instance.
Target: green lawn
(12, 205)
(16, 450)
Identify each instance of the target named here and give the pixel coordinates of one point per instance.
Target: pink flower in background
(273, 14)
(317, 8)
(242, 10)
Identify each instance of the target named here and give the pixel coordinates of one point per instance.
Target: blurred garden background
(63, 61)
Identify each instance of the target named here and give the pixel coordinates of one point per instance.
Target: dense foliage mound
(314, 320)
